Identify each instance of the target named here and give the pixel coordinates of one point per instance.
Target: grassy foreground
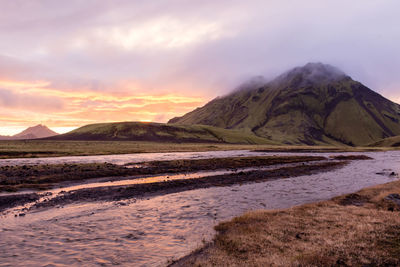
(361, 229)
(51, 148)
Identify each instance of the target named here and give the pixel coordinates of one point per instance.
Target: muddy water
(148, 232)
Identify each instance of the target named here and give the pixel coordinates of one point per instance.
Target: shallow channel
(149, 232)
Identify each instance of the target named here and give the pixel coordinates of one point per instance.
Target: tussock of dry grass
(329, 233)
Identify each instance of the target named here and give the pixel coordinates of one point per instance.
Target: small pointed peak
(39, 126)
(37, 131)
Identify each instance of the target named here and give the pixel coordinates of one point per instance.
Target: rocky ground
(46, 176)
(116, 193)
(13, 178)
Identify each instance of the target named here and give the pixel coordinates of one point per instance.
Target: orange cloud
(26, 103)
(22, 84)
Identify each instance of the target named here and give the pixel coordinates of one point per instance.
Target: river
(150, 232)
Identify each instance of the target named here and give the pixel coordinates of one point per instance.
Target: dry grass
(47, 148)
(330, 233)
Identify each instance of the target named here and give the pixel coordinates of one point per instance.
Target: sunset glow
(70, 63)
(64, 110)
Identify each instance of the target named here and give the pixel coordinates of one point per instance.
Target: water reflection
(128, 158)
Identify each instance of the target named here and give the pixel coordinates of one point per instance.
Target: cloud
(17, 101)
(28, 103)
(103, 57)
(161, 33)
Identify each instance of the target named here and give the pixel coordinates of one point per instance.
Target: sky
(70, 63)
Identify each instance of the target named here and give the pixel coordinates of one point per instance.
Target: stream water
(149, 232)
(122, 159)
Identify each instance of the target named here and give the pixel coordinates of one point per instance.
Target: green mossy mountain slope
(159, 132)
(387, 142)
(314, 104)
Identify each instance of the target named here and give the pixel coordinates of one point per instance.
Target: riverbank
(45, 176)
(117, 193)
(139, 180)
(356, 229)
(145, 190)
(46, 148)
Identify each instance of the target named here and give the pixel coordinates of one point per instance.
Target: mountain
(140, 131)
(313, 104)
(38, 131)
(35, 132)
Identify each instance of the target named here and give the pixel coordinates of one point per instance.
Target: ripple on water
(151, 231)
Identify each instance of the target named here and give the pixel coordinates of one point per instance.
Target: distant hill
(313, 104)
(35, 132)
(387, 142)
(140, 131)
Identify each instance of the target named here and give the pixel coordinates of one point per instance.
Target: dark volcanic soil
(16, 200)
(351, 157)
(46, 176)
(13, 178)
(25, 154)
(222, 163)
